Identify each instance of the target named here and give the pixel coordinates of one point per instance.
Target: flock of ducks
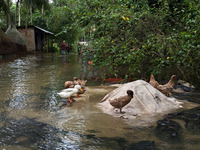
(77, 87)
(72, 88)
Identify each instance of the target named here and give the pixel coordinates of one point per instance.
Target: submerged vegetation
(128, 38)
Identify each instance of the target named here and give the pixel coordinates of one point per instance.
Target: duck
(153, 82)
(168, 87)
(71, 84)
(79, 81)
(82, 91)
(66, 93)
(82, 83)
(122, 101)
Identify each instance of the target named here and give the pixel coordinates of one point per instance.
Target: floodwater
(33, 116)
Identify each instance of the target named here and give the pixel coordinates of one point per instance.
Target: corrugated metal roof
(32, 26)
(48, 32)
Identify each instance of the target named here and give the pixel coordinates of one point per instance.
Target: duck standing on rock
(153, 82)
(66, 93)
(167, 88)
(122, 101)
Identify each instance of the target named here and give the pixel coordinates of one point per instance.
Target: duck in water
(67, 93)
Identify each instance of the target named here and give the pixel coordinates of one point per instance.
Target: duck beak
(81, 89)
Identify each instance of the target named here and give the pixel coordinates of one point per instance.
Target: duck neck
(130, 95)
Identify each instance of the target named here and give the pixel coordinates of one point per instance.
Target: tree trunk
(8, 14)
(16, 10)
(20, 6)
(27, 15)
(43, 15)
(31, 11)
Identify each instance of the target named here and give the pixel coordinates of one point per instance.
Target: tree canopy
(128, 38)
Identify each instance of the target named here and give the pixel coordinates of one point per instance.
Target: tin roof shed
(37, 39)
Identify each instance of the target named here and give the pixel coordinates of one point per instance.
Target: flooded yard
(33, 116)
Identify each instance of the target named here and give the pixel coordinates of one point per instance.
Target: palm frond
(3, 6)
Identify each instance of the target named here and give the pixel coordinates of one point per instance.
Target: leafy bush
(134, 40)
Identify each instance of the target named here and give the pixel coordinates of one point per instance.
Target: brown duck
(167, 88)
(79, 81)
(71, 84)
(122, 101)
(153, 82)
(76, 80)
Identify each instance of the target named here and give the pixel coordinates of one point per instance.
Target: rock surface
(147, 105)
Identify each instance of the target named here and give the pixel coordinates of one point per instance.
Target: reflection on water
(33, 116)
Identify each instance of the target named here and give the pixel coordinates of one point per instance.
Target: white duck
(66, 93)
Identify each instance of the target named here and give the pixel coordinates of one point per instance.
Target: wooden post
(44, 42)
(47, 43)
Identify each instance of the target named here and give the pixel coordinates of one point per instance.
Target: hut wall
(39, 40)
(30, 40)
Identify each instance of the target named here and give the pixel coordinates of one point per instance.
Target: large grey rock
(147, 103)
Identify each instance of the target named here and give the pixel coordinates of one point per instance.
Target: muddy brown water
(33, 116)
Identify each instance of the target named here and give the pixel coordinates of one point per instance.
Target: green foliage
(159, 37)
(131, 38)
(3, 6)
(2, 21)
(62, 22)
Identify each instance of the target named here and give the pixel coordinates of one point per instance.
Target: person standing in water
(63, 48)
